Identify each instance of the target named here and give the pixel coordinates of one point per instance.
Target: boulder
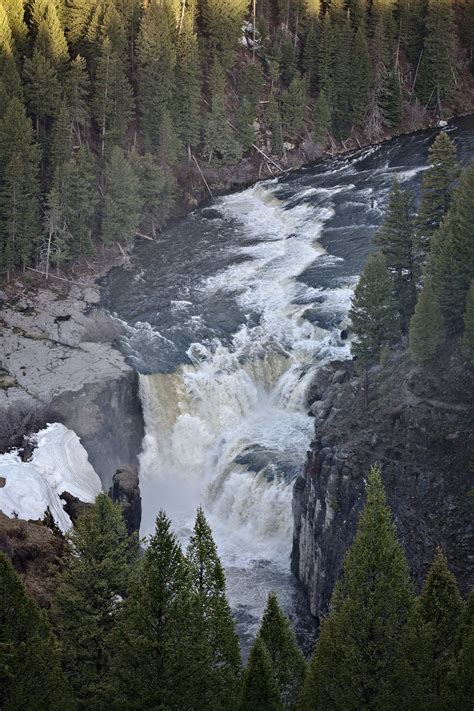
(125, 490)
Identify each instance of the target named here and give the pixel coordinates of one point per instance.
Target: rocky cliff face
(417, 424)
(56, 350)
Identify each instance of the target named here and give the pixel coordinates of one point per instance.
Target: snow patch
(59, 463)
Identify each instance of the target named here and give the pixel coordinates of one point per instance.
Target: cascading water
(227, 320)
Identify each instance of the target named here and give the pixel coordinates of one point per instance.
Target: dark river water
(227, 317)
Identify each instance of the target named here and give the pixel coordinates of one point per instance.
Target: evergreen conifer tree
(459, 688)
(452, 253)
(395, 237)
(441, 609)
(49, 38)
(156, 191)
(293, 103)
(322, 118)
(218, 627)
(122, 204)
(30, 672)
(259, 688)
(42, 89)
(19, 192)
(221, 27)
(393, 100)
(274, 122)
(426, 325)
(374, 317)
(410, 21)
(325, 56)
(438, 63)
(287, 662)
(436, 192)
(77, 90)
(220, 138)
(160, 660)
(467, 31)
(87, 601)
(187, 95)
(15, 10)
(361, 79)
(371, 651)
(310, 57)
(341, 78)
(468, 337)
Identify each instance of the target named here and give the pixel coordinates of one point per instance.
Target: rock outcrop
(417, 424)
(126, 491)
(56, 350)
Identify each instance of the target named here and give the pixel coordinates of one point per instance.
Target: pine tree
(383, 11)
(325, 56)
(426, 325)
(410, 22)
(30, 672)
(441, 608)
(395, 237)
(310, 57)
(392, 101)
(61, 138)
(49, 38)
(436, 192)
(259, 688)
(467, 31)
(160, 662)
(374, 317)
(10, 82)
(361, 76)
(19, 207)
(77, 90)
(452, 254)
(220, 138)
(42, 89)
(113, 101)
(438, 64)
(287, 662)
(322, 119)
(287, 60)
(87, 601)
(122, 205)
(372, 650)
(15, 10)
(218, 627)
(187, 95)
(156, 192)
(274, 122)
(341, 78)
(221, 26)
(293, 103)
(459, 689)
(156, 49)
(468, 337)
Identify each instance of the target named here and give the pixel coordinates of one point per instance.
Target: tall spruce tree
(324, 76)
(157, 191)
(30, 672)
(274, 122)
(15, 11)
(441, 609)
(436, 192)
(187, 92)
(372, 649)
(361, 80)
(426, 325)
(217, 625)
(156, 51)
(374, 317)
(122, 204)
(48, 31)
(77, 90)
(19, 192)
(293, 103)
(161, 661)
(395, 238)
(310, 57)
(322, 118)
(468, 336)
(341, 78)
(88, 599)
(287, 661)
(259, 687)
(221, 141)
(452, 254)
(459, 689)
(42, 90)
(436, 75)
(221, 26)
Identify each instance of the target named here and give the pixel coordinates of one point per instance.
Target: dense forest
(108, 106)
(157, 632)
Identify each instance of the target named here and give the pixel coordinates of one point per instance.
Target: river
(227, 317)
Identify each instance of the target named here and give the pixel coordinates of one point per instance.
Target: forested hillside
(107, 107)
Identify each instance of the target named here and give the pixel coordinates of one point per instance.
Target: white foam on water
(230, 431)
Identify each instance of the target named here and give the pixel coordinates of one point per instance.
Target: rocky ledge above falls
(56, 351)
(418, 426)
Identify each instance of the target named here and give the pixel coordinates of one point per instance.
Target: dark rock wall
(418, 425)
(108, 418)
